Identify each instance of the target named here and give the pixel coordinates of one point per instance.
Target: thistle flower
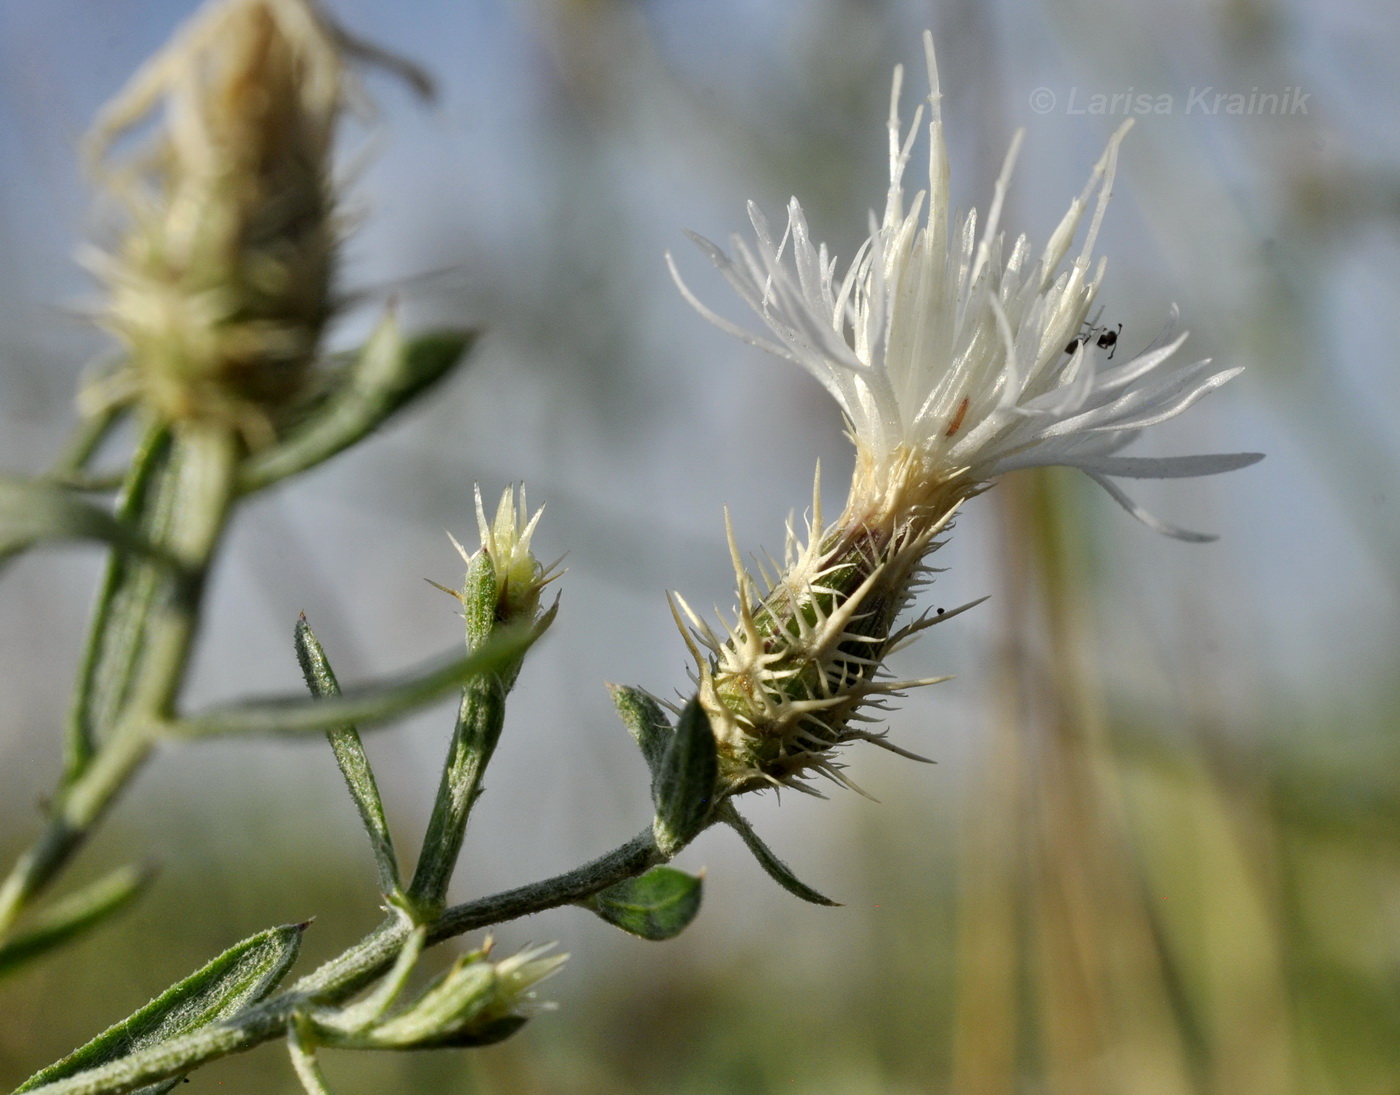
(954, 361)
(220, 283)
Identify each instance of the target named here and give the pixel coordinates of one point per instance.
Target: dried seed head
(220, 281)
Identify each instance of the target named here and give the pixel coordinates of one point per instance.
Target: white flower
(954, 360)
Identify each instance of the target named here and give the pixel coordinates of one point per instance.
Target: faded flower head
(221, 280)
(954, 359)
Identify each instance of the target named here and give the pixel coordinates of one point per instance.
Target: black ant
(1107, 339)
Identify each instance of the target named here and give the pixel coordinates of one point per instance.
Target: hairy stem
(343, 976)
(148, 616)
(474, 738)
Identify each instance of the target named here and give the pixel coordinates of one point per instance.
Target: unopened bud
(476, 1002)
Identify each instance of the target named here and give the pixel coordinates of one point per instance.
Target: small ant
(1107, 339)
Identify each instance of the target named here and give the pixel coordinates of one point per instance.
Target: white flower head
(955, 359)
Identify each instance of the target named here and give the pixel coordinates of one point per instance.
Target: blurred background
(1160, 851)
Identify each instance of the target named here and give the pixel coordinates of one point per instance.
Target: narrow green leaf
(776, 868)
(350, 755)
(684, 787)
(74, 915)
(388, 373)
(32, 510)
(369, 704)
(658, 905)
(239, 977)
(646, 721)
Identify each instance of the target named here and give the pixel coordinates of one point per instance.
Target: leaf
(350, 755)
(241, 976)
(684, 787)
(369, 704)
(32, 510)
(645, 720)
(658, 905)
(74, 915)
(387, 375)
(776, 868)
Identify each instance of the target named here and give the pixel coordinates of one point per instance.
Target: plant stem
(343, 976)
(474, 738)
(110, 654)
(140, 662)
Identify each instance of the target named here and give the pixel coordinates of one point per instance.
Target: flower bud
(476, 1002)
(504, 579)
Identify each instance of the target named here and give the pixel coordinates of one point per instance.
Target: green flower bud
(504, 579)
(476, 1002)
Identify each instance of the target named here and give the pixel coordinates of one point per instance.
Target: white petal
(1154, 523)
(1169, 467)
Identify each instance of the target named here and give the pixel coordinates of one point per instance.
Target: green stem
(110, 655)
(134, 689)
(343, 976)
(474, 738)
(303, 1050)
(635, 857)
(350, 971)
(488, 610)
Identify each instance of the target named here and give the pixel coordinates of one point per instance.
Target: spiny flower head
(954, 360)
(220, 282)
(799, 672)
